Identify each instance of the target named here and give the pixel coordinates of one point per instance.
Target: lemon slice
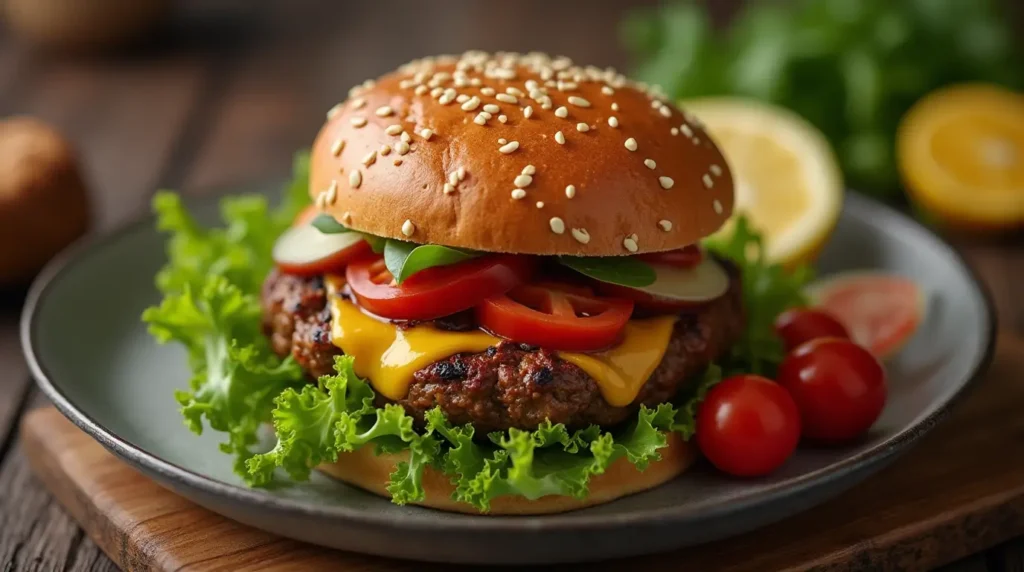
(788, 181)
(961, 153)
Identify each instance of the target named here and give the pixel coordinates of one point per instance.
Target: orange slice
(961, 154)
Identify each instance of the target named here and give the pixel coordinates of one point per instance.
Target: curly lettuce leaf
(210, 283)
(768, 290)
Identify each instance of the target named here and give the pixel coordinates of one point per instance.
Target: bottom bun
(370, 472)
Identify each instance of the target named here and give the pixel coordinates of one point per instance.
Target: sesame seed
(531, 85)
(708, 183)
(336, 148)
(480, 119)
(559, 138)
(607, 90)
(527, 111)
(514, 91)
(436, 91)
(506, 98)
(321, 200)
(518, 194)
(718, 206)
(421, 89)
(650, 163)
(557, 225)
(426, 134)
(523, 181)
(615, 106)
(666, 182)
(540, 204)
(503, 118)
(509, 147)
(545, 103)
(398, 162)
(582, 127)
(358, 122)
(448, 188)
(471, 104)
(529, 170)
(358, 103)
(675, 131)
(393, 129)
(384, 111)
(447, 97)
(665, 111)
(406, 137)
(370, 158)
(613, 121)
(578, 101)
(453, 178)
(402, 147)
(502, 141)
(686, 130)
(581, 235)
(461, 173)
(408, 228)
(666, 225)
(461, 98)
(491, 108)
(656, 104)
(355, 178)
(488, 91)
(630, 243)
(385, 149)
(631, 144)
(716, 170)
(570, 191)
(333, 111)
(332, 193)
(562, 112)
(346, 217)
(696, 140)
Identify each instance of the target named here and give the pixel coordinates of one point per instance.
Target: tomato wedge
(685, 257)
(556, 316)
(438, 291)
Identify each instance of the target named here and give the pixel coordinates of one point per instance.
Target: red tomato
(838, 386)
(437, 291)
(748, 426)
(685, 257)
(798, 325)
(556, 316)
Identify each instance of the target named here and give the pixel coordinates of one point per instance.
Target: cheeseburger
(497, 299)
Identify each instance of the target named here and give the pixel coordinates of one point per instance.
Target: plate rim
(425, 519)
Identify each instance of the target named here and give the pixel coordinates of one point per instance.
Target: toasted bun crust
(645, 174)
(367, 471)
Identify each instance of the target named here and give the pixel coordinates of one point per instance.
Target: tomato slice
(438, 291)
(556, 316)
(685, 257)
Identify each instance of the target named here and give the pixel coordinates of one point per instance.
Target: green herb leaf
(621, 270)
(326, 224)
(404, 259)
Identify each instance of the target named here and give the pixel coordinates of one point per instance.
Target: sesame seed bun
(519, 153)
(364, 469)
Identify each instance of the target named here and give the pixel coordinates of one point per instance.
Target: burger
(495, 301)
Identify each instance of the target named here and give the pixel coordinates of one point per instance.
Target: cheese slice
(388, 356)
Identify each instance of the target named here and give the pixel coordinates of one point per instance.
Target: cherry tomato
(437, 291)
(556, 316)
(748, 426)
(685, 257)
(798, 325)
(838, 386)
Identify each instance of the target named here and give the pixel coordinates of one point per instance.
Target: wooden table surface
(225, 96)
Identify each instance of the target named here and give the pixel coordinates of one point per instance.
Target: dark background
(223, 95)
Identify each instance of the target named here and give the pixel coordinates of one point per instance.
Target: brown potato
(43, 200)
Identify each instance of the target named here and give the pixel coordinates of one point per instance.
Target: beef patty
(509, 384)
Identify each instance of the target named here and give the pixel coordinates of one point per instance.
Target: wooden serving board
(959, 491)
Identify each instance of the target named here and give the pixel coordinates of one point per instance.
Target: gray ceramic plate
(93, 357)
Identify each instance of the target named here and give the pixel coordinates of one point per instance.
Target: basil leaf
(621, 270)
(326, 224)
(404, 259)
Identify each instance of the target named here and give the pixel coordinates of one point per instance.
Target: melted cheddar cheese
(388, 356)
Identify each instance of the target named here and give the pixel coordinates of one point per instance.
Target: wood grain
(958, 492)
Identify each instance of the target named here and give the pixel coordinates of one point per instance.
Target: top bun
(519, 153)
